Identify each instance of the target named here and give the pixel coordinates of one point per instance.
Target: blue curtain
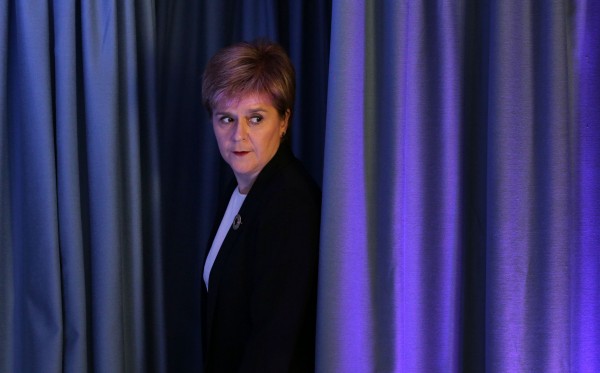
(457, 143)
(80, 276)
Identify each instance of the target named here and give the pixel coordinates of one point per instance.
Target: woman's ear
(285, 121)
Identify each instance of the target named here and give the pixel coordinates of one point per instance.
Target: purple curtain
(461, 188)
(585, 269)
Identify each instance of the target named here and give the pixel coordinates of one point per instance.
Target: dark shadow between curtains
(188, 34)
(473, 186)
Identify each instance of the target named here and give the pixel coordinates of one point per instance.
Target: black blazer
(260, 310)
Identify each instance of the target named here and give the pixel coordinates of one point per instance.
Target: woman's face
(248, 132)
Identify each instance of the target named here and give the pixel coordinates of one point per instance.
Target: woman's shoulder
(292, 198)
(294, 180)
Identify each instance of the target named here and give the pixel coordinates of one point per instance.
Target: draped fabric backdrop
(461, 209)
(457, 142)
(585, 266)
(80, 277)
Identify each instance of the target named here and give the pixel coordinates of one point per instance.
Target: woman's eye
(226, 120)
(256, 119)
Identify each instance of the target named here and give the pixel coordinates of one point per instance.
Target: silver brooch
(237, 221)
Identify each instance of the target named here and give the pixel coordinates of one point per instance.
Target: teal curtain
(460, 191)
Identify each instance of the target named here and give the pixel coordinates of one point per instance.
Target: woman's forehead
(234, 99)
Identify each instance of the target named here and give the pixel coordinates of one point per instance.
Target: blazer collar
(282, 157)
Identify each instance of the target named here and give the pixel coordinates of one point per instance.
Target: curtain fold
(32, 205)
(78, 215)
(391, 185)
(585, 269)
(530, 209)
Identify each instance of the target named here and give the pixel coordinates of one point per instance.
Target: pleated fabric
(80, 280)
(457, 143)
(460, 188)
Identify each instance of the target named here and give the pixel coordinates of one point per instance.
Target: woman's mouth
(240, 153)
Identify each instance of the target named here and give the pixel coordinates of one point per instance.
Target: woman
(260, 274)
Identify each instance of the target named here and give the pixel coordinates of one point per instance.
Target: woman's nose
(241, 131)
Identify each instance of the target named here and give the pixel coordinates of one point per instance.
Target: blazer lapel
(249, 210)
(217, 271)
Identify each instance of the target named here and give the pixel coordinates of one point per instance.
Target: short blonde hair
(260, 67)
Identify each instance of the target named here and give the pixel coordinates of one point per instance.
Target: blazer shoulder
(294, 185)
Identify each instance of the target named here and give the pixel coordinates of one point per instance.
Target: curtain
(585, 268)
(80, 282)
(460, 212)
(457, 143)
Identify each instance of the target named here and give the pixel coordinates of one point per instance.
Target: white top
(235, 202)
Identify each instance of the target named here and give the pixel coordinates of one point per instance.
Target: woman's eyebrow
(257, 109)
(222, 113)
